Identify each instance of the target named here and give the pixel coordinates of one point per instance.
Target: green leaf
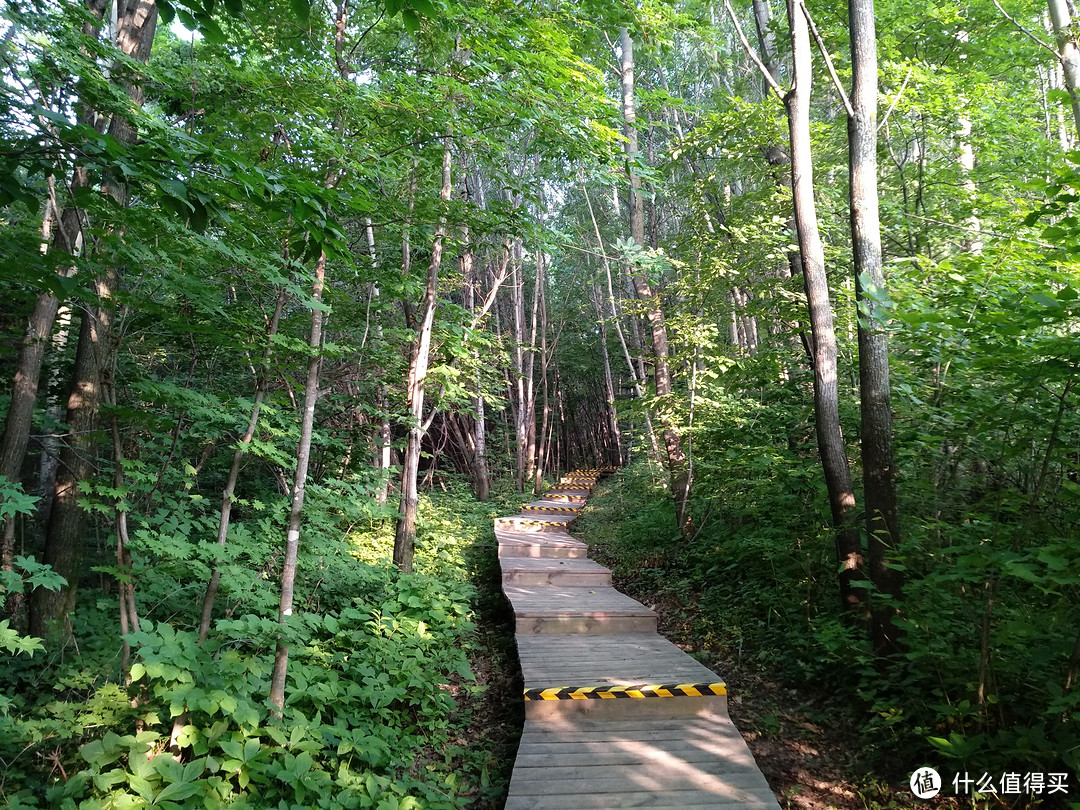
(424, 7)
(302, 10)
(167, 12)
(411, 20)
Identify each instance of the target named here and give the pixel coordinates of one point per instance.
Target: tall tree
(136, 22)
(879, 472)
(673, 445)
(405, 533)
(823, 349)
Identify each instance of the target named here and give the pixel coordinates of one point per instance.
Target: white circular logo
(925, 783)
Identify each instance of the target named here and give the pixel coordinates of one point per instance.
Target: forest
(299, 294)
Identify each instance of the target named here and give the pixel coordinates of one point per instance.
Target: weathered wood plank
(607, 801)
(573, 631)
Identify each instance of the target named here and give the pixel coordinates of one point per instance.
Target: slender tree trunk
(538, 483)
(530, 373)
(405, 534)
(609, 385)
(830, 439)
(638, 380)
(68, 239)
(879, 474)
(296, 506)
(478, 463)
(972, 242)
(234, 469)
(676, 456)
(518, 306)
(385, 436)
(136, 24)
(1068, 52)
(766, 42)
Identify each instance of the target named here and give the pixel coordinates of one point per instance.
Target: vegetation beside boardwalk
(385, 709)
(753, 596)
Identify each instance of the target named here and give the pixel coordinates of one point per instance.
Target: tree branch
(895, 101)
(1027, 33)
(769, 80)
(828, 60)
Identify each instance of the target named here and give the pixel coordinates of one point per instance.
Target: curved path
(615, 715)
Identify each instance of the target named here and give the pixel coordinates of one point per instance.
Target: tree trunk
(830, 439)
(879, 475)
(1068, 52)
(234, 468)
(136, 24)
(405, 534)
(609, 385)
(296, 507)
(68, 239)
(676, 457)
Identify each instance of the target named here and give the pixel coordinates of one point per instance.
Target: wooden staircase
(615, 715)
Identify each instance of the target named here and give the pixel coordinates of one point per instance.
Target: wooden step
(584, 762)
(567, 496)
(536, 523)
(601, 610)
(613, 661)
(539, 571)
(552, 507)
(548, 545)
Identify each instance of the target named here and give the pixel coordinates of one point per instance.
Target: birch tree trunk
(405, 534)
(296, 506)
(676, 457)
(1068, 52)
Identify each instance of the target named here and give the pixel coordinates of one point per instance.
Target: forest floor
(497, 714)
(803, 743)
(804, 752)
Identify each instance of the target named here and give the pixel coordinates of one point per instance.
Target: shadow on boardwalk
(615, 715)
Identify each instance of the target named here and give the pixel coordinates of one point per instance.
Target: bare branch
(1027, 33)
(895, 101)
(769, 80)
(828, 60)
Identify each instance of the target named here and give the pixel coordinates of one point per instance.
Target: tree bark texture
(296, 506)
(136, 24)
(1068, 52)
(830, 438)
(879, 475)
(676, 457)
(405, 534)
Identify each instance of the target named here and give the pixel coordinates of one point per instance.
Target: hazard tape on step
(615, 692)
(551, 509)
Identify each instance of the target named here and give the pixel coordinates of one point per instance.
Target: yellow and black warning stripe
(615, 692)
(551, 508)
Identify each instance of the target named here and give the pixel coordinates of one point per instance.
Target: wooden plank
(570, 571)
(555, 601)
(608, 801)
(603, 753)
(729, 781)
(614, 753)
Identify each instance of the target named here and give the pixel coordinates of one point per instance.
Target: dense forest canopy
(292, 289)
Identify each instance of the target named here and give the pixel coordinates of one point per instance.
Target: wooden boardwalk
(615, 715)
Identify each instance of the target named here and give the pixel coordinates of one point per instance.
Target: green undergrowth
(392, 700)
(753, 594)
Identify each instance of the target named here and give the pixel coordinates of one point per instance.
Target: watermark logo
(925, 783)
